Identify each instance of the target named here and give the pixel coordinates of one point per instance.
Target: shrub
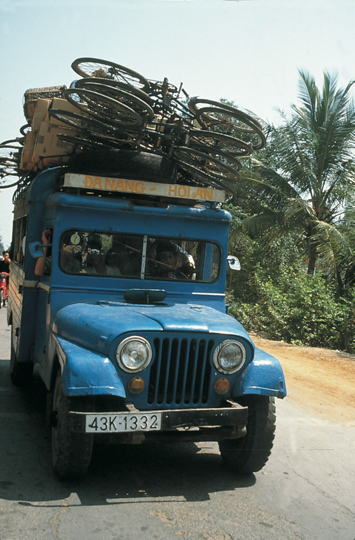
(298, 308)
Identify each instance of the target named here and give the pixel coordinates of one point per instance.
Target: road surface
(183, 492)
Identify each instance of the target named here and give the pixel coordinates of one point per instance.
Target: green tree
(302, 182)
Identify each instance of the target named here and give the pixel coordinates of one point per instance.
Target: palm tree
(304, 179)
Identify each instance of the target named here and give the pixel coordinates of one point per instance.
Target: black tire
(10, 154)
(231, 145)
(1, 297)
(88, 124)
(195, 104)
(25, 129)
(87, 143)
(6, 181)
(82, 83)
(121, 94)
(20, 372)
(232, 123)
(211, 147)
(103, 107)
(197, 177)
(71, 452)
(95, 67)
(210, 163)
(249, 454)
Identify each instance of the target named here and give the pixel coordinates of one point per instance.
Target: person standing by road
(5, 265)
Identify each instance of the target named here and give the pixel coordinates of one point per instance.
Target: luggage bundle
(113, 107)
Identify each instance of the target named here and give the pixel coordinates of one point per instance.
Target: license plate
(121, 422)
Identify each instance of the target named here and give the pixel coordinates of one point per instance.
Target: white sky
(248, 51)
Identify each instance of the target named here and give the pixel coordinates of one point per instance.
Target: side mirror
(36, 249)
(234, 263)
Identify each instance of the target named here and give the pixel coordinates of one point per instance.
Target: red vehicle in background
(4, 291)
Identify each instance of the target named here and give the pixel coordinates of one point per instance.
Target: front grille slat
(176, 371)
(167, 361)
(181, 371)
(202, 367)
(185, 363)
(193, 361)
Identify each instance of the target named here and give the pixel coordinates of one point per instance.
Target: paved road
(306, 491)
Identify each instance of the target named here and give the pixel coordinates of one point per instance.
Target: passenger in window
(44, 263)
(131, 249)
(113, 262)
(70, 259)
(95, 257)
(173, 262)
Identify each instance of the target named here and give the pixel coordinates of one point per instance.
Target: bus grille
(181, 372)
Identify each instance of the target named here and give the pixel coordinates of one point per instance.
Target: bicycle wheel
(208, 163)
(191, 175)
(227, 119)
(196, 103)
(95, 67)
(231, 145)
(10, 155)
(25, 129)
(7, 180)
(124, 96)
(141, 94)
(82, 122)
(231, 123)
(89, 143)
(103, 107)
(14, 143)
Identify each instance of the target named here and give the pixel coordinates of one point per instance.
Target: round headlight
(229, 356)
(134, 354)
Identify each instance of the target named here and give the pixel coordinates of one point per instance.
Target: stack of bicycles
(117, 108)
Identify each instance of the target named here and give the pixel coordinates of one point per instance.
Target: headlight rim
(219, 348)
(124, 342)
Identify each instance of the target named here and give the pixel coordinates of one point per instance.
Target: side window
(138, 256)
(19, 240)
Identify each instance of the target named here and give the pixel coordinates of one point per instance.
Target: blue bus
(126, 322)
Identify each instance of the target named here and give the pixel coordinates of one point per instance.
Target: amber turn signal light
(221, 386)
(136, 385)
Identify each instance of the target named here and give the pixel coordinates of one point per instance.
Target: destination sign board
(141, 187)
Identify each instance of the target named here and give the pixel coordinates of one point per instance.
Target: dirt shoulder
(319, 380)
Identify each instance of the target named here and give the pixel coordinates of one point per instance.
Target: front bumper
(177, 424)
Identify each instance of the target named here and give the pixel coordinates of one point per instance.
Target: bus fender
(87, 373)
(263, 376)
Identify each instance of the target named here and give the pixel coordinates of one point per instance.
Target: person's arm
(41, 261)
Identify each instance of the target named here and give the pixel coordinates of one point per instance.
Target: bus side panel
(22, 313)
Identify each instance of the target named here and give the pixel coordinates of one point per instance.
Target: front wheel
(1, 298)
(249, 454)
(71, 452)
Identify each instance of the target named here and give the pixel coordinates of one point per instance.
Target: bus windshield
(138, 256)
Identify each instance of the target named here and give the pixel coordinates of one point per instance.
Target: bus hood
(96, 326)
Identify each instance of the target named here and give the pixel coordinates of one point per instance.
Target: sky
(247, 51)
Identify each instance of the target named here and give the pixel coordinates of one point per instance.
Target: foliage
(269, 251)
(301, 184)
(295, 307)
